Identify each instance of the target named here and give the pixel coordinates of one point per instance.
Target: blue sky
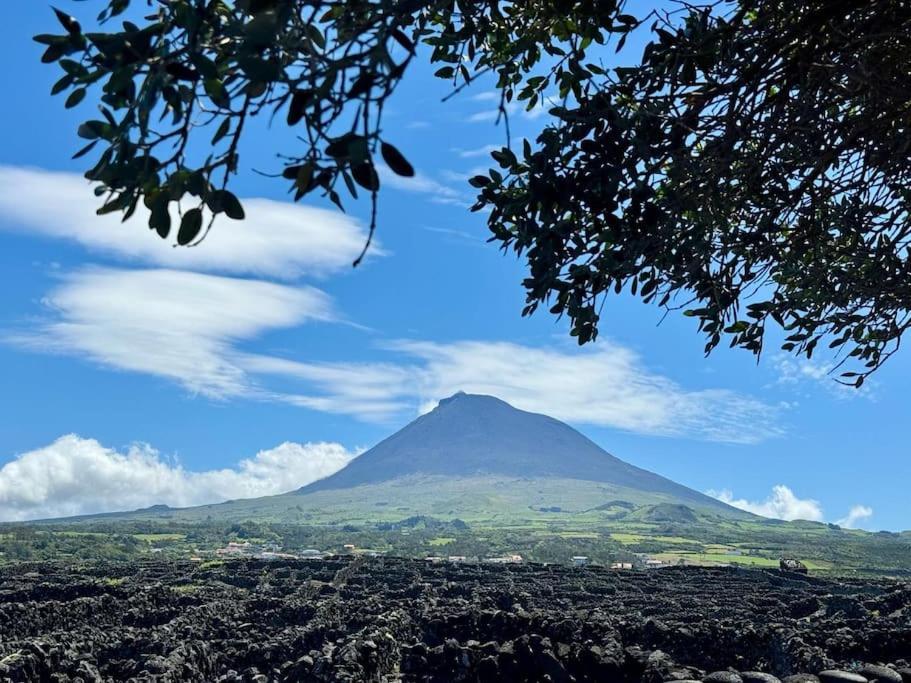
(136, 373)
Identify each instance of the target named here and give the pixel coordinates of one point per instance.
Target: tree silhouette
(751, 166)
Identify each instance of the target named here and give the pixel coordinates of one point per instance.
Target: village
(272, 551)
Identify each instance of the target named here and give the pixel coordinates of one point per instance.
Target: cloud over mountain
(606, 385)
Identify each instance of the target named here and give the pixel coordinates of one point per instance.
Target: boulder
(881, 674)
(836, 676)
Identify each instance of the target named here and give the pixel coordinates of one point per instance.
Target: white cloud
(74, 476)
(373, 392)
(423, 184)
(856, 514)
(277, 239)
(173, 324)
(462, 236)
(800, 373)
(783, 503)
(191, 328)
(477, 152)
(544, 105)
(607, 386)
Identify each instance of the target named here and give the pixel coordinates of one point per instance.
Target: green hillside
(542, 519)
(477, 478)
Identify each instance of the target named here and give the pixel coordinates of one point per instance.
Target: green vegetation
(441, 540)
(153, 538)
(604, 535)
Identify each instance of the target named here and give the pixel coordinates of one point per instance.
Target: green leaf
(396, 161)
(190, 225)
(222, 201)
(299, 101)
(54, 52)
(232, 206)
(160, 218)
(92, 130)
(62, 85)
(75, 98)
(71, 25)
(222, 131)
(215, 89)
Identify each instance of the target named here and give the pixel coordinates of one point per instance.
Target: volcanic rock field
(386, 619)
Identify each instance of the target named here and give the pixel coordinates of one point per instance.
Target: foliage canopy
(751, 167)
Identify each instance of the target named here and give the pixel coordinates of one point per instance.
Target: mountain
(477, 459)
(470, 435)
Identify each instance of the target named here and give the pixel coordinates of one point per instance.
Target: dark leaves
(222, 201)
(75, 98)
(299, 101)
(396, 161)
(71, 25)
(190, 227)
(365, 175)
(160, 218)
(779, 194)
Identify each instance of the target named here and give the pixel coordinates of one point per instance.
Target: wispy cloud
(783, 503)
(800, 374)
(424, 184)
(857, 513)
(609, 386)
(75, 476)
(477, 152)
(277, 239)
(514, 108)
(192, 329)
(461, 235)
(173, 324)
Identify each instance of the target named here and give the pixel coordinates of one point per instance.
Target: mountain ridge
(473, 456)
(479, 435)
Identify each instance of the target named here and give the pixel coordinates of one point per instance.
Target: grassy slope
(542, 515)
(476, 500)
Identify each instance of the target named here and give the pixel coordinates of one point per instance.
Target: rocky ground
(403, 620)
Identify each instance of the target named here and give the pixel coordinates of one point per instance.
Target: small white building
(580, 561)
(234, 549)
(506, 559)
